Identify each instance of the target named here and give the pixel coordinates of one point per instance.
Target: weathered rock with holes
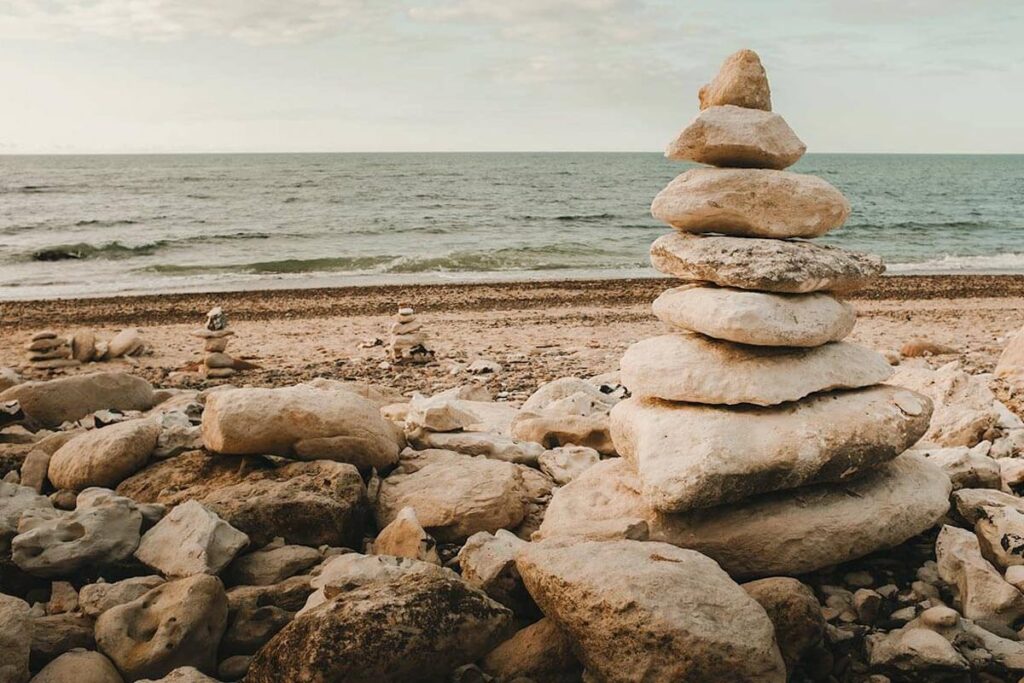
(696, 456)
(179, 623)
(55, 543)
(1000, 532)
(727, 135)
(412, 628)
(300, 422)
(690, 367)
(309, 503)
(190, 540)
(97, 598)
(766, 265)
(747, 202)
(454, 495)
(773, 534)
(650, 611)
(53, 402)
(756, 318)
(104, 457)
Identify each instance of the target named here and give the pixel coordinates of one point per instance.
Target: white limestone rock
(104, 457)
(300, 422)
(565, 463)
(693, 456)
(784, 533)
(693, 368)
(967, 468)
(454, 495)
(982, 593)
(190, 540)
(766, 265)
(747, 202)
(756, 318)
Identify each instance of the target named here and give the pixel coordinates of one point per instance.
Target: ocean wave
(949, 263)
(119, 250)
(110, 224)
(284, 266)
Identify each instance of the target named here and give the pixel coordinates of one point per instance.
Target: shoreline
(351, 301)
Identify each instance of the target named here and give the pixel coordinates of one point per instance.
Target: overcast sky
(428, 75)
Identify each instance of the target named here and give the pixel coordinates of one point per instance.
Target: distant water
(91, 225)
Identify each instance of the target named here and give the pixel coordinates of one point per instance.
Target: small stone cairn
(408, 340)
(47, 350)
(215, 335)
(754, 392)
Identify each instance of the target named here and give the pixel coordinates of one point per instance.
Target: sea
(74, 226)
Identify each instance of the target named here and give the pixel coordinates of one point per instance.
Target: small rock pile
(217, 364)
(49, 351)
(408, 340)
(752, 426)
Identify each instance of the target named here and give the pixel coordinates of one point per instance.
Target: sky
(154, 76)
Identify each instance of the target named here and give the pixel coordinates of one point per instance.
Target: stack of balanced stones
(408, 340)
(215, 334)
(47, 350)
(754, 433)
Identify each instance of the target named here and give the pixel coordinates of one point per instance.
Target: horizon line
(457, 151)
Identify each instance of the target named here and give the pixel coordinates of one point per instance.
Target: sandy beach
(537, 331)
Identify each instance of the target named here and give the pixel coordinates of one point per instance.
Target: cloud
(248, 21)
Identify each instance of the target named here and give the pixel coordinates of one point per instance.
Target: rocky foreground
(753, 497)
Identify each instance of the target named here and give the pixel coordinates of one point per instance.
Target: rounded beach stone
(757, 318)
(750, 202)
(741, 80)
(767, 265)
(692, 456)
(690, 367)
(738, 137)
(104, 457)
(650, 611)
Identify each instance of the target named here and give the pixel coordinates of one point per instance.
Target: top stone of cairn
(741, 81)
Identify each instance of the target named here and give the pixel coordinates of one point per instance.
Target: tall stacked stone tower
(755, 434)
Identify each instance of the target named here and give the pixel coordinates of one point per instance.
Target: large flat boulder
(691, 367)
(738, 137)
(741, 80)
(758, 318)
(651, 611)
(309, 503)
(104, 457)
(415, 627)
(454, 495)
(53, 402)
(693, 456)
(301, 422)
(749, 202)
(767, 265)
(785, 533)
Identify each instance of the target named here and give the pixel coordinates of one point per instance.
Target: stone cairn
(753, 393)
(49, 351)
(215, 335)
(408, 340)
